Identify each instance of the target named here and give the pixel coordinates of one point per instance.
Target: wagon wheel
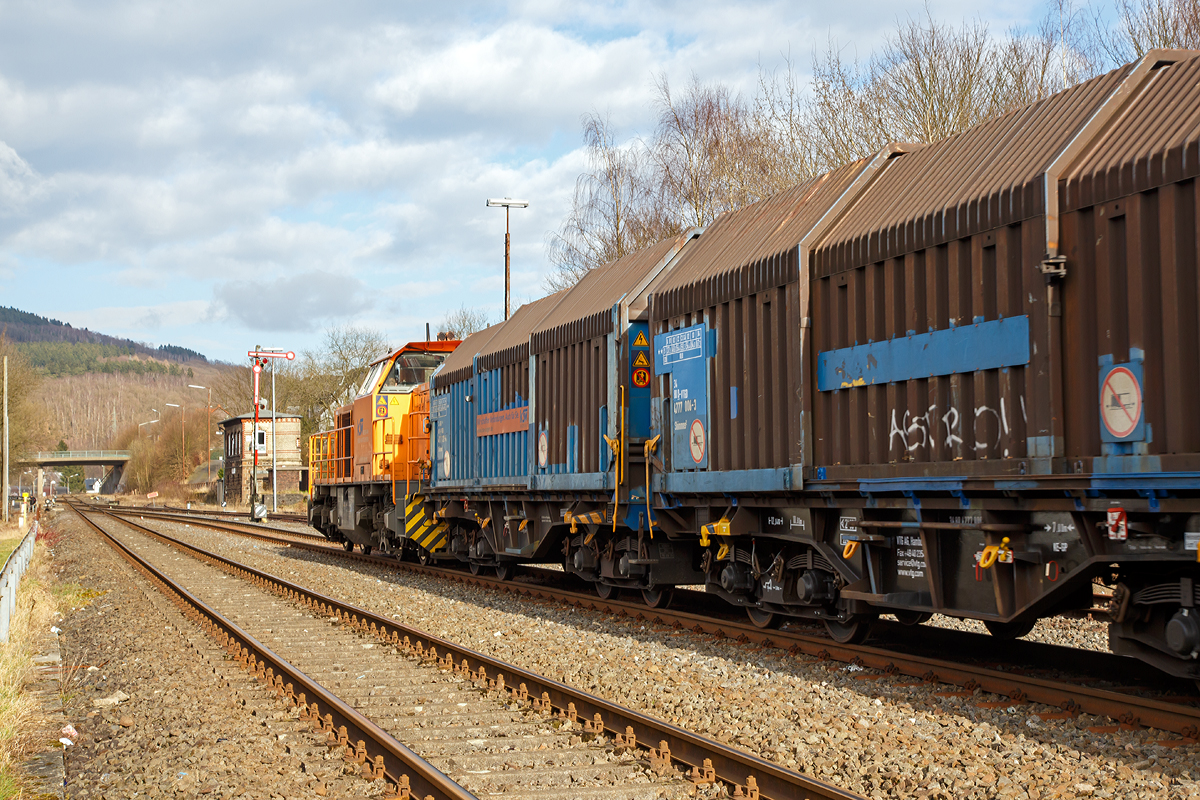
(605, 590)
(505, 570)
(366, 549)
(476, 567)
(1009, 630)
(852, 631)
(348, 546)
(912, 617)
(762, 617)
(658, 596)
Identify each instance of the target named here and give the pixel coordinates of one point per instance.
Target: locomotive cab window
(411, 370)
(372, 378)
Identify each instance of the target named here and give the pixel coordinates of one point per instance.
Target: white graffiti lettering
(917, 431)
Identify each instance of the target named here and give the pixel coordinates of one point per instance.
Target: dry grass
(22, 723)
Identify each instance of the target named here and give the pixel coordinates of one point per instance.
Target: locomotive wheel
(606, 591)
(1009, 630)
(761, 617)
(658, 596)
(505, 570)
(912, 617)
(852, 631)
(348, 546)
(366, 549)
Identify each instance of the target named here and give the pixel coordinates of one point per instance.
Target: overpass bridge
(114, 459)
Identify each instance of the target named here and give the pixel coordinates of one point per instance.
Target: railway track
(524, 735)
(1062, 699)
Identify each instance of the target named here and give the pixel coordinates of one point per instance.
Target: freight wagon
(957, 378)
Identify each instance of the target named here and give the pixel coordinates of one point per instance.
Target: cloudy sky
(218, 175)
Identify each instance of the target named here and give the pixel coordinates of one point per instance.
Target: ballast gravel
(1085, 633)
(159, 711)
(869, 734)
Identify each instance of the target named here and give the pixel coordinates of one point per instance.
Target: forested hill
(78, 358)
(22, 327)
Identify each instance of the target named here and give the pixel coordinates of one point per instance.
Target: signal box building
(239, 457)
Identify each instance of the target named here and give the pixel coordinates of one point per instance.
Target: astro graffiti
(916, 431)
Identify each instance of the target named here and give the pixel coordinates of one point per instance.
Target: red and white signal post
(259, 358)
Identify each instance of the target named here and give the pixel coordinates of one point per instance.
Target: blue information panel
(439, 410)
(639, 379)
(683, 354)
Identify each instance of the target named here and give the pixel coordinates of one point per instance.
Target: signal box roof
(262, 415)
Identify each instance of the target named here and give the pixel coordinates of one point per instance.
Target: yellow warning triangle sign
(641, 360)
(640, 341)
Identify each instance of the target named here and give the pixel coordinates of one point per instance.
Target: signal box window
(411, 370)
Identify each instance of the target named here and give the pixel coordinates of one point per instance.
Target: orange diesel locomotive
(376, 459)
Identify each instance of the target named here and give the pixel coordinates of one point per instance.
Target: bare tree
(779, 124)
(613, 212)
(234, 390)
(704, 151)
(842, 121)
(1144, 25)
(462, 322)
(1032, 65)
(27, 429)
(933, 80)
(329, 377)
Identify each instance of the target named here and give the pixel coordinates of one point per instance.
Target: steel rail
(284, 516)
(400, 765)
(1071, 699)
(251, 529)
(208, 512)
(695, 753)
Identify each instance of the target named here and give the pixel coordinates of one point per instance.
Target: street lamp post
(208, 433)
(506, 203)
(182, 442)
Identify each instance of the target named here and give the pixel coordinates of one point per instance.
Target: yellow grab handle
(990, 554)
(850, 549)
(650, 445)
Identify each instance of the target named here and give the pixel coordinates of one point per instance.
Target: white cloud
(133, 322)
(18, 182)
(297, 302)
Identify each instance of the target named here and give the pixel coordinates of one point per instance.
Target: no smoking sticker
(696, 441)
(1121, 403)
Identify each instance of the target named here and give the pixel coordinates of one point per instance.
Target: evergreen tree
(72, 476)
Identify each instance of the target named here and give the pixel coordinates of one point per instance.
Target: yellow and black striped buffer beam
(423, 529)
(587, 518)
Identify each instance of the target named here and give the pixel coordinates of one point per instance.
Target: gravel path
(192, 724)
(875, 737)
